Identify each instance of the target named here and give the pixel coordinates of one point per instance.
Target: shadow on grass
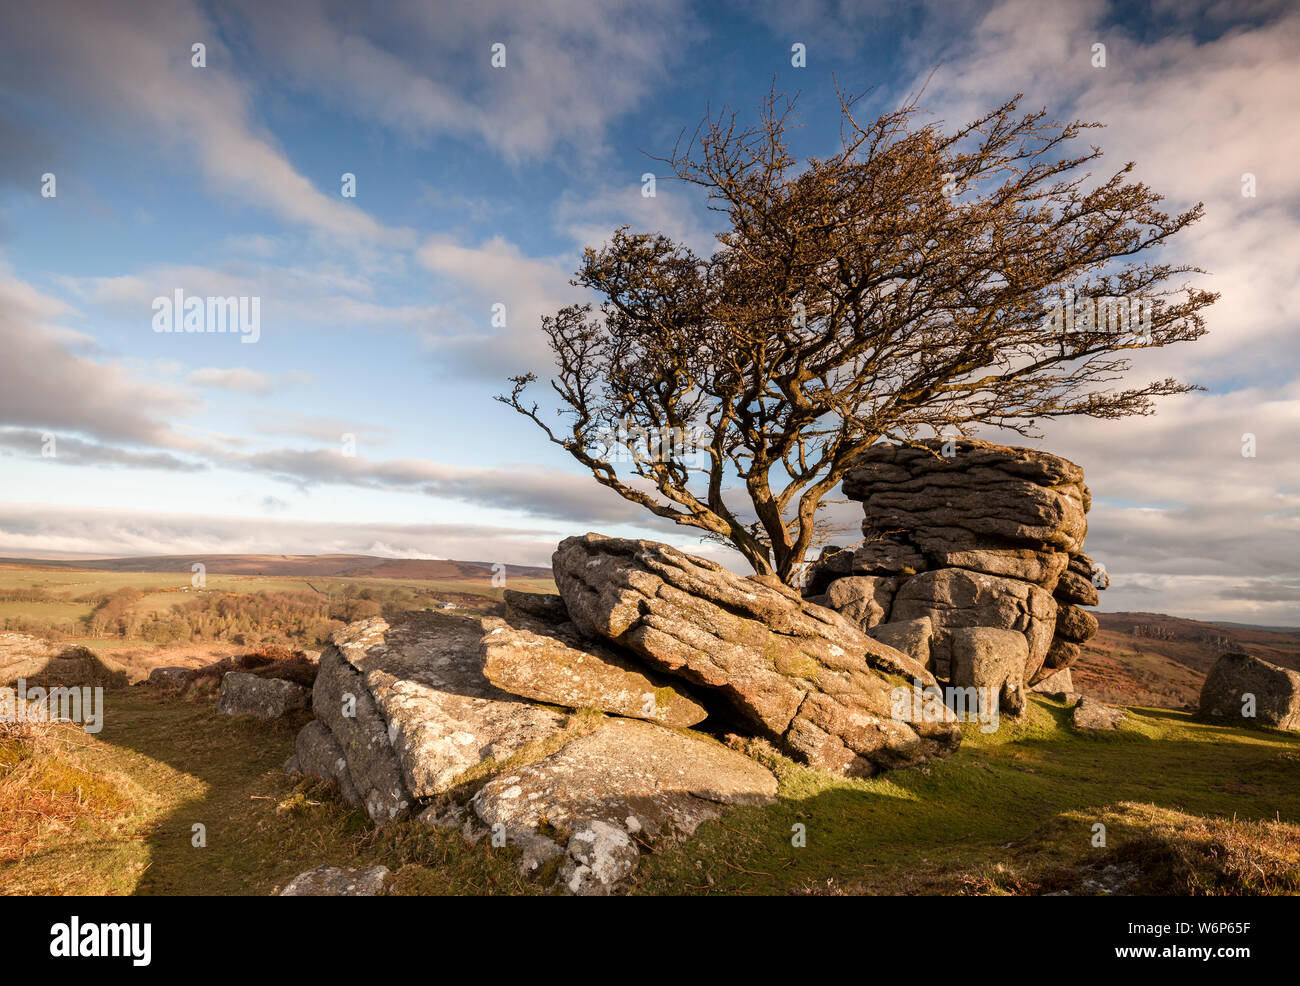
(261, 827)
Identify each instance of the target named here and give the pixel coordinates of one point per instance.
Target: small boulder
(1058, 684)
(335, 881)
(1091, 714)
(244, 694)
(170, 677)
(1074, 588)
(1239, 684)
(1062, 654)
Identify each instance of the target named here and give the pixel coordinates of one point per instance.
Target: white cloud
(496, 272)
(425, 69)
(129, 65)
(45, 384)
(238, 378)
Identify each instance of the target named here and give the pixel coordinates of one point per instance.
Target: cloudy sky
(478, 186)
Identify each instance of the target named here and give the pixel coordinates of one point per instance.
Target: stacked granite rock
(972, 562)
(584, 725)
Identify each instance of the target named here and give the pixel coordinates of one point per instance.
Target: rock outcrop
(408, 722)
(408, 705)
(564, 729)
(1251, 691)
(968, 535)
(795, 673)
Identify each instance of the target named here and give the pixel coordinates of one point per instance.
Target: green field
(1194, 808)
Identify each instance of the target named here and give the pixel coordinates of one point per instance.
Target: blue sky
(479, 186)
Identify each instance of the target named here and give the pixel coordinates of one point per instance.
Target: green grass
(54, 611)
(1010, 812)
(1023, 799)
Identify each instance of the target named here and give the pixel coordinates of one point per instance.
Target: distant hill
(1157, 660)
(344, 566)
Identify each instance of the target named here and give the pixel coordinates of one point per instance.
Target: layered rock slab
(1027, 498)
(602, 796)
(550, 663)
(1006, 517)
(797, 673)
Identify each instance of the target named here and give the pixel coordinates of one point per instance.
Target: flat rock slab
(799, 674)
(1094, 715)
(551, 663)
(600, 796)
(244, 694)
(335, 881)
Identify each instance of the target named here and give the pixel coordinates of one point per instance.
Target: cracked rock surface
(799, 674)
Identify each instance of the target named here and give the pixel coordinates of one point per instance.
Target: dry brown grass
(1154, 851)
(44, 792)
(1179, 854)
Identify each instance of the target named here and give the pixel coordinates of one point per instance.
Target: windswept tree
(916, 283)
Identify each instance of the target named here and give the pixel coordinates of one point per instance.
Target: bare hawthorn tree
(899, 289)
